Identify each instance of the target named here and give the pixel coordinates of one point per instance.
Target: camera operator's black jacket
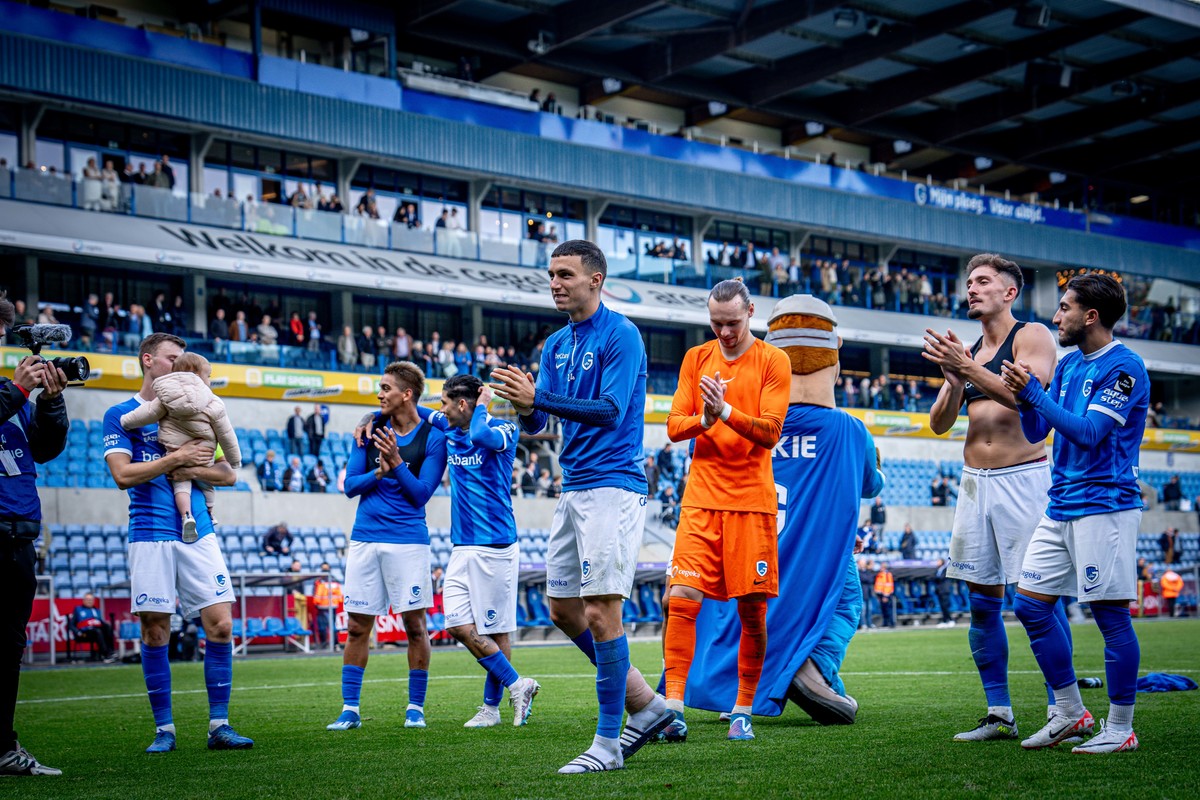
(44, 429)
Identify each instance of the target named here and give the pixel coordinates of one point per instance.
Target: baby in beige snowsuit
(185, 408)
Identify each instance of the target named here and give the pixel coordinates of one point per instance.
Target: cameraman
(28, 434)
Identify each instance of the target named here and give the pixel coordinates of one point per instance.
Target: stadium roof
(1102, 89)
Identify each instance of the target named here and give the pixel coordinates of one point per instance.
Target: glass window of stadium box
(941, 274)
(664, 351)
(419, 319)
(522, 227)
(414, 204)
(10, 147)
(646, 245)
(732, 250)
(237, 173)
(1160, 309)
(279, 303)
(65, 285)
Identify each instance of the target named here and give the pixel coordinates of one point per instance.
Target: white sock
(1068, 700)
(213, 724)
(1050, 711)
(415, 707)
(675, 705)
(1120, 718)
(168, 728)
(741, 710)
(1003, 712)
(603, 746)
(648, 713)
(350, 708)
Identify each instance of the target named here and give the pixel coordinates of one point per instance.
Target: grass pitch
(916, 688)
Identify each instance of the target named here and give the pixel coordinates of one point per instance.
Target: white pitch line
(562, 676)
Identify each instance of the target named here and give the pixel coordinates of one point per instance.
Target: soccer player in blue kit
(593, 377)
(480, 594)
(161, 566)
(388, 563)
(1086, 543)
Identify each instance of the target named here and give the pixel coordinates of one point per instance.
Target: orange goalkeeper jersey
(731, 466)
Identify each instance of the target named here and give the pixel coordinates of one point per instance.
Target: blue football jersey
(481, 462)
(152, 514)
(1102, 479)
(392, 509)
(603, 356)
(824, 464)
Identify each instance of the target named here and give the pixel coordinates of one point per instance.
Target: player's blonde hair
(192, 362)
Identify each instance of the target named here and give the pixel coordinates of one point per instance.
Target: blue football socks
(218, 678)
(1060, 615)
(585, 643)
(612, 666)
(989, 647)
(418, 682)
(352, 680)
(499, 667)
(1050, 645)
(1122, 654)
(493, 691)
(156, 669)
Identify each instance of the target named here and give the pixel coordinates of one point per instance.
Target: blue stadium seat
(273, 626)
(539, 614)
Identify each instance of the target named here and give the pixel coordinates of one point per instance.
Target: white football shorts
(481, 588)
(594, 543)
(160, 572)
(996, 514)
(380, 574)
(1090, 558)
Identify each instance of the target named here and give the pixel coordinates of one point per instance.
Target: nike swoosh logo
(1087, 589)
(491, 624)
(414, 602)
(585, 583)
(727, 381)
(223, 685)
(760, 582)
(223, 591)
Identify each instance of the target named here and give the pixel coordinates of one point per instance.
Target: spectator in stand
(899, 402)
(164, 166)
(666, 463)
(669, 515)
(278, 540)
(296, 566)
(160, 314)
(885, 590)
(268, 334)
(938, 492)
(463, 361)
(314, 332)
(912, 396)
(296, 330)
(137, 327)
(651, 468)
(268, 473)
(367, 206)
(555, 487)
(943, 587)
(314, 426)
(445, 359)
(347, 348)
(795, 277)
(295, 432)
(383, 346)
(401, 345)
(878, 518)
(908, 543)
(327, 596)
(868, 541)
(179, 317)
(1170, 545)
(529, 477)
(421, 357)
(239, 329)
(849, 393)
(89, 322)
(550, 104)
(866, 580)
(88, 626)
(293, 476)
(318, 478)
(864, 392)
(365, 342)
(1172, 494)
(544, 483)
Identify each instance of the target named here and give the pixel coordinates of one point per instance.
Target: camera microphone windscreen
(50, 333)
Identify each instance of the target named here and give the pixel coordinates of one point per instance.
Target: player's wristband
(725, 412)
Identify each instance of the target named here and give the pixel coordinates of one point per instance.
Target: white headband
(803, 337)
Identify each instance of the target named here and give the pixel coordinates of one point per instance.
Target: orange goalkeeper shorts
(726, 554)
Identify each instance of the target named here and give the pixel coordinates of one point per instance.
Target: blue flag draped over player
(824, 463)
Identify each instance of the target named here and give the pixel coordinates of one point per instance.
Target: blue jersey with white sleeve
(602, 357)
(391, 509)
(152, 514)
(481, 462)
(1097, 406)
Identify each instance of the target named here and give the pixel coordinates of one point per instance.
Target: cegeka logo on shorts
(144, 599)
